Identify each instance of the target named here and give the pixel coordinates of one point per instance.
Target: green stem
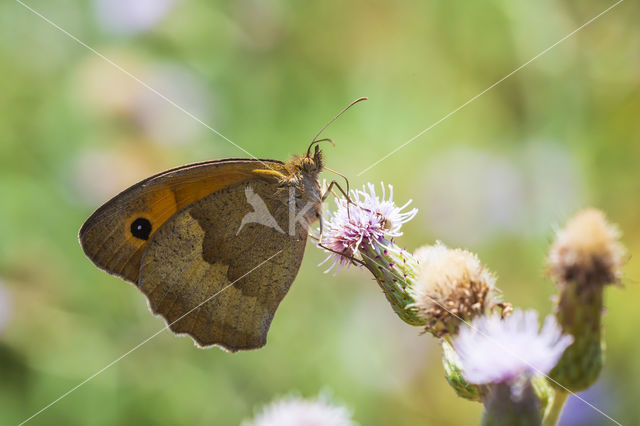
(553, 411)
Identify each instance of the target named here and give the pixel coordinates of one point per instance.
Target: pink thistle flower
(495, 350)
(372, 222)
(364, 231)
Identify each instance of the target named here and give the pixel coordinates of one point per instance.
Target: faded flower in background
(126, 17)
(602, 395)
(295, 411)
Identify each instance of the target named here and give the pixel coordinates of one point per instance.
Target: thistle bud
(394, 270)
(585, 257)
(451, 287)
(587, 253)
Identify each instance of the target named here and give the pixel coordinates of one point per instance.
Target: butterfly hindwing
(216, 284)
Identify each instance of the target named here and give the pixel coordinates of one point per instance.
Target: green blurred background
(497, 177)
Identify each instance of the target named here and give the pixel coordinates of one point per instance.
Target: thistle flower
(294, 411)
(364, 232)
(585, 257)
(371, 221)
(495, 350)
(451, 286)
(506, 355)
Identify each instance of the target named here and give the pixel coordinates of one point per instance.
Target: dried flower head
(293, 411)
(587, 251)
(495, 350)
(451, 286)
(371, 222)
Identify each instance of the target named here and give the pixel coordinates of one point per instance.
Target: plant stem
(555, 408)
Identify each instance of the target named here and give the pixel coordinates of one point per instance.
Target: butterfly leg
(346, 196)
(344, 193)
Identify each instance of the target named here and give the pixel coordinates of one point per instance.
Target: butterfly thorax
(302, 175)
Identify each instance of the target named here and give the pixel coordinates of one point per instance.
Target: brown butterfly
(214, 246)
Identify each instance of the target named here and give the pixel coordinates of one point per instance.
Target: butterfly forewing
(116, 235)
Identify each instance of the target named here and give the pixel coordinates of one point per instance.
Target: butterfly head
(313, 161)
(310, 164)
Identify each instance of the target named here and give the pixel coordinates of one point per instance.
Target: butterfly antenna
(315, 139)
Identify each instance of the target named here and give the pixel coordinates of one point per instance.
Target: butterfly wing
(218, 285)
(116, 235)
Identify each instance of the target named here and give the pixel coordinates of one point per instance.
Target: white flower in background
(294, 411)
(129, 17)
(495, 350)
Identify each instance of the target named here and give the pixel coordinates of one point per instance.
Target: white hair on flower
(495, 350)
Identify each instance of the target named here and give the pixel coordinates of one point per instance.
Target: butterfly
(214, 246)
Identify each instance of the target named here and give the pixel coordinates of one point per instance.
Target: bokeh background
(497, 177)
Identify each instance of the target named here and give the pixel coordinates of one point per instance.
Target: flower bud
(394, 270)
(585, 257)
(451, 286)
